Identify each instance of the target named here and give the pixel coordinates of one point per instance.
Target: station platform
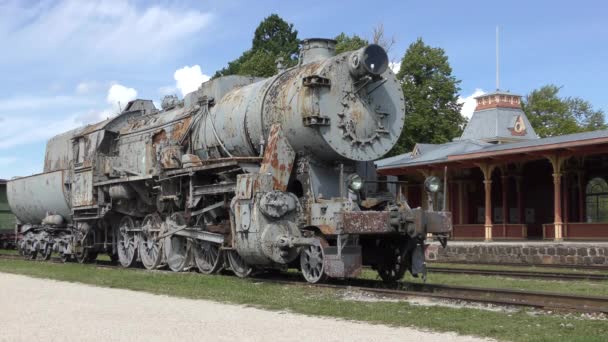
(521, 252)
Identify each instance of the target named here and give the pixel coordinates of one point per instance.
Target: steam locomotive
(243, 173)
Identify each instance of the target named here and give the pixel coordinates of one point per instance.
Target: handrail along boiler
(245, 173)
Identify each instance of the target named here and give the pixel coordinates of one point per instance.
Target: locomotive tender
(244, 173)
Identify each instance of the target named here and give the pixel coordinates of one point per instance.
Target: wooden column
(557, 205)
(557, 162)
(488, 209)
(487, 170)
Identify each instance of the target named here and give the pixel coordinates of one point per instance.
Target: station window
(596, 200)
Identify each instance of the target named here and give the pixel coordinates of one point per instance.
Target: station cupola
(498, 118)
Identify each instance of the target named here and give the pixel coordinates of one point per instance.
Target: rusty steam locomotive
(244, 173)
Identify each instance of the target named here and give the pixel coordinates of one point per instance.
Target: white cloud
(469, 103)
(395, 66)
(119, 96)
(117, 31)
(188, 79)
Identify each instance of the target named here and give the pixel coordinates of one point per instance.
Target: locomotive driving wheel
(208, 256)
(127, 242)
(238, 264)
(45, 251)
(45, 247)
(150, 247)
(393, 264)
(178, 251)
(311, 262)
(30, 252)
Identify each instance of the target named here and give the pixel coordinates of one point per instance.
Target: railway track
(504, 297)
(402, 290)
(519, 273)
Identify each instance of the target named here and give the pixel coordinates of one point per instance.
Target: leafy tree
(273, 38)
(551, 115)
(431, 98)
(345, 42)
(349, 43)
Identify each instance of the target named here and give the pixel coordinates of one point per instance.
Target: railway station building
(504, 183)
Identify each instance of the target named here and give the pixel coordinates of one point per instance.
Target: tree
(551, 115)
(274, 38)
(347, 43)
(432, 111)
(350, 43)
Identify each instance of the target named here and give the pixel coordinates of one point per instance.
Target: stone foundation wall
(563, 254)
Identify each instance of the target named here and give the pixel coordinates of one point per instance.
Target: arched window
(596, 196)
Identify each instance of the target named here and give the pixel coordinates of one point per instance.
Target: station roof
(464, 153)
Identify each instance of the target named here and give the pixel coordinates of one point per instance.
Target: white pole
(497, 79)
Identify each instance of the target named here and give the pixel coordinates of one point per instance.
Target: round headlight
(355, 182)
(432, 184)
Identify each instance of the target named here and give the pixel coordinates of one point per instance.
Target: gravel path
(47, 310)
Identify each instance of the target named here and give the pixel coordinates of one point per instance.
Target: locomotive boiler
(244, 173)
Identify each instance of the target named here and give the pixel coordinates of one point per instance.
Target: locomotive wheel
(178, 251)
(311, 262)
(393, 266)
(208, 256)
(127, 242)
(45, 252)
(30, 253)
(150, 249)
(238, 264)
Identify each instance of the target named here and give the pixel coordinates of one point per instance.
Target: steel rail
(519, 274)
(508, 297)
(503, 297)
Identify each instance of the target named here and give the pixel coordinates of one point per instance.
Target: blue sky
(67, 63)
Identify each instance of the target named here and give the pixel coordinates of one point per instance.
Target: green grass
(518, 326)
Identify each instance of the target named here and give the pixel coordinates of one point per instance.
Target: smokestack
(317, 49)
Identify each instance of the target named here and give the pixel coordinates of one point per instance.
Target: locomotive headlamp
(355, 182)
(432, 184)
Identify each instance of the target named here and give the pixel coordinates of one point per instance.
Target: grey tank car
(244, 173)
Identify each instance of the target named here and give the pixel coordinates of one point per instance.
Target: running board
(201, 235)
